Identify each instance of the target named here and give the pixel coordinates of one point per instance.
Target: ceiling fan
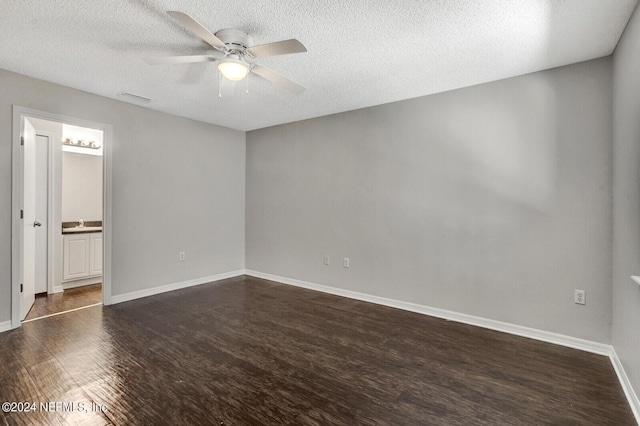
(235, 53)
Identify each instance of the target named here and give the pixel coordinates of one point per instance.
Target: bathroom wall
(81, 187)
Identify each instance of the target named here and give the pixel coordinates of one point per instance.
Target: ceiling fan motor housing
(235, 39)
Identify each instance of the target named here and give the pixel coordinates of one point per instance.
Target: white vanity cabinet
(95, 254)
(82, 255)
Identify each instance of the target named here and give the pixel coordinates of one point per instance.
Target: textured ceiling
(360, 52)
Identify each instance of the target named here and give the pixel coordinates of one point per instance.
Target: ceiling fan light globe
(233, 70)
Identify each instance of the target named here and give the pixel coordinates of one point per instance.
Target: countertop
(83, 230)
(87, 227)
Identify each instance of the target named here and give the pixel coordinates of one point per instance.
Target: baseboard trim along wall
(630, 393)
(119, 298)
(545, 336)
(532, 333)
(5, 326)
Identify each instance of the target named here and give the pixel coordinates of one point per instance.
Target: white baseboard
(5, 325)
(57, 289)
(631, 395)
(119, 298)
(532, 333)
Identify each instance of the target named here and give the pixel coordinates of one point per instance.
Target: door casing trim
(19, 113)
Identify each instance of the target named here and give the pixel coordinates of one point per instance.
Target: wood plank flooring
(72, 298)
(246, 351)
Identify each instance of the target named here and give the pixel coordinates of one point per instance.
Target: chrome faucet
(81, 223)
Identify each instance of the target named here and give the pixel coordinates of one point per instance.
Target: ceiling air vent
(134, 97)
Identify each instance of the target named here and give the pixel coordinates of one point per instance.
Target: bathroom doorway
(59, 235)
(79, 197)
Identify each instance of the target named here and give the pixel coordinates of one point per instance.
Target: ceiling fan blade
(275, 78)
(198, 29)
(283, 47)
(181, 59)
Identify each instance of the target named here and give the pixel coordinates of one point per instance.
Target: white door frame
(16, 191)
(51, 240)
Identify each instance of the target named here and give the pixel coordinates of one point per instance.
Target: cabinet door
(76, 257)
(95, 264)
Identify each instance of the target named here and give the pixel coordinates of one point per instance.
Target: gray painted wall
(626, 200)
(493, 200)
(178, 185)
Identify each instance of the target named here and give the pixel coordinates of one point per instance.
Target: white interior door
(42, 195)
(29, 220)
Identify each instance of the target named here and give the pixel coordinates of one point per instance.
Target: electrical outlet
(580, 297)
(346, 262)
(181, 256)
(326, 260)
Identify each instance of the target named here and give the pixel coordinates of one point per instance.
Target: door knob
(36, 223)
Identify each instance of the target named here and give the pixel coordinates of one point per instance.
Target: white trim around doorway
(16, 191)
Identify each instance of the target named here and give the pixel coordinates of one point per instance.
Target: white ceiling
(360, 52)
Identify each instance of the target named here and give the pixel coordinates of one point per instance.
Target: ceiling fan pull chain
(247, 85)
(219, 84)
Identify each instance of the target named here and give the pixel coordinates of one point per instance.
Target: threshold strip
(63, 312)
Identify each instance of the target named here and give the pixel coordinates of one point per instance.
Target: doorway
(61, 214)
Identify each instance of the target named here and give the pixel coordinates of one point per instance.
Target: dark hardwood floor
(246, 351)
(70, 299)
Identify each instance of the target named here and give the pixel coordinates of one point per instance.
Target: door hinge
(21, 140)
(21, 214)
(21, 288)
